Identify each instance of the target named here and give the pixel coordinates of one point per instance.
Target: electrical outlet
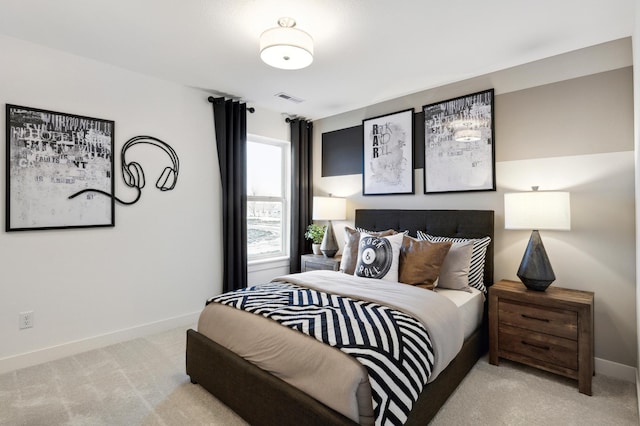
(25, 320)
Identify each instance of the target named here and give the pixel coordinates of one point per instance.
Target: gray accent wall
(581, 116)
(563, 123)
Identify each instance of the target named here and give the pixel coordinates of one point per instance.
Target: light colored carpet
(142, 382)
(514, 394)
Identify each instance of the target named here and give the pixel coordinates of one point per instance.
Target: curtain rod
(291, 118)
(221, 99)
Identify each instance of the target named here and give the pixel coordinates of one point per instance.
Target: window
(267, 198)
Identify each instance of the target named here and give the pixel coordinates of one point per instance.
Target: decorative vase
(316, 249)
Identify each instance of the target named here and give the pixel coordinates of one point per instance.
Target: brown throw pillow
(350, 249)
(420, 263)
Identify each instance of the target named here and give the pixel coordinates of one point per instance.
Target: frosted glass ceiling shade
(467, 135)
(537, 210)
(286, 47)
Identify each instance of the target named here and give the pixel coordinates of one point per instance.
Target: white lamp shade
(286, 48)
(537, 210)
(329, 208)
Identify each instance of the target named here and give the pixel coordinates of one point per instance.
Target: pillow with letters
(478, 254)
(350, 249)
(379, 257)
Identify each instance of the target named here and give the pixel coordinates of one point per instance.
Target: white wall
(636, 139)
(269, 124)
(155, 269)
(561, 123)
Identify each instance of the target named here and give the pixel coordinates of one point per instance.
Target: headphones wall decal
(132, 172)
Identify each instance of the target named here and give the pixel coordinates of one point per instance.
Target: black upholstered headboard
(446, 223)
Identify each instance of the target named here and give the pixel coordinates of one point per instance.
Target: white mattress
(471, 306)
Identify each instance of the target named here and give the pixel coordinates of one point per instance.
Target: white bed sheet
(471, 306)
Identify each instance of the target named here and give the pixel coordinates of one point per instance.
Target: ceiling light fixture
(467, 130)
(286, 47)
(467, 135)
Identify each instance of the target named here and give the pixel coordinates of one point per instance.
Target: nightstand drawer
(543, 320)
(310, 265)
(554, 350)
(318, 262)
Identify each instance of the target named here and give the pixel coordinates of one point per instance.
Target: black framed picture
(459, 150)
(50, 156)
(388, 154)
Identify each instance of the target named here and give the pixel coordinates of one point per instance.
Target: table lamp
(536, 210)
(329, 208)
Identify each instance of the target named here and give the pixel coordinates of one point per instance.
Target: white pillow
(476, 269)
(454, 271)
(379, 257)
(350, 249)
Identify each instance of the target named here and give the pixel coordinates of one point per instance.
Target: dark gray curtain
(301, 188)
(230, 119)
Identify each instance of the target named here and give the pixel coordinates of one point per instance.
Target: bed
(263, 399)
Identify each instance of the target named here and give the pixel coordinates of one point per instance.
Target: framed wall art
(459, 151)
(50, 156)
(388, 154)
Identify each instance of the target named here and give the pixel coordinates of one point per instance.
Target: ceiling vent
(290, 98)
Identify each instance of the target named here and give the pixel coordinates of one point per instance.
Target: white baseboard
(52, 353)
(616, 370)
(15, 362)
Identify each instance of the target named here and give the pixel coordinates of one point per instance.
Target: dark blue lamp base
(535, 271)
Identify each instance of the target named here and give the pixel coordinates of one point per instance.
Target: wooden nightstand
(314, 262)
(551, 330)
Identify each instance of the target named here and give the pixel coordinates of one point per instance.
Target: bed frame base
(255, 395)
(263, 399)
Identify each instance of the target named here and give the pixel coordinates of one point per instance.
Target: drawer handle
(534, 318)
(545, 348)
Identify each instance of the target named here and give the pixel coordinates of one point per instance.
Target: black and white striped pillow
(478, 254)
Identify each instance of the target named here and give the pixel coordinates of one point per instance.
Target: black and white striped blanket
(393, 346)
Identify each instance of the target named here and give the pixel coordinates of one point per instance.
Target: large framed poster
(388, 154)
(50, 156)
(459, 151)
